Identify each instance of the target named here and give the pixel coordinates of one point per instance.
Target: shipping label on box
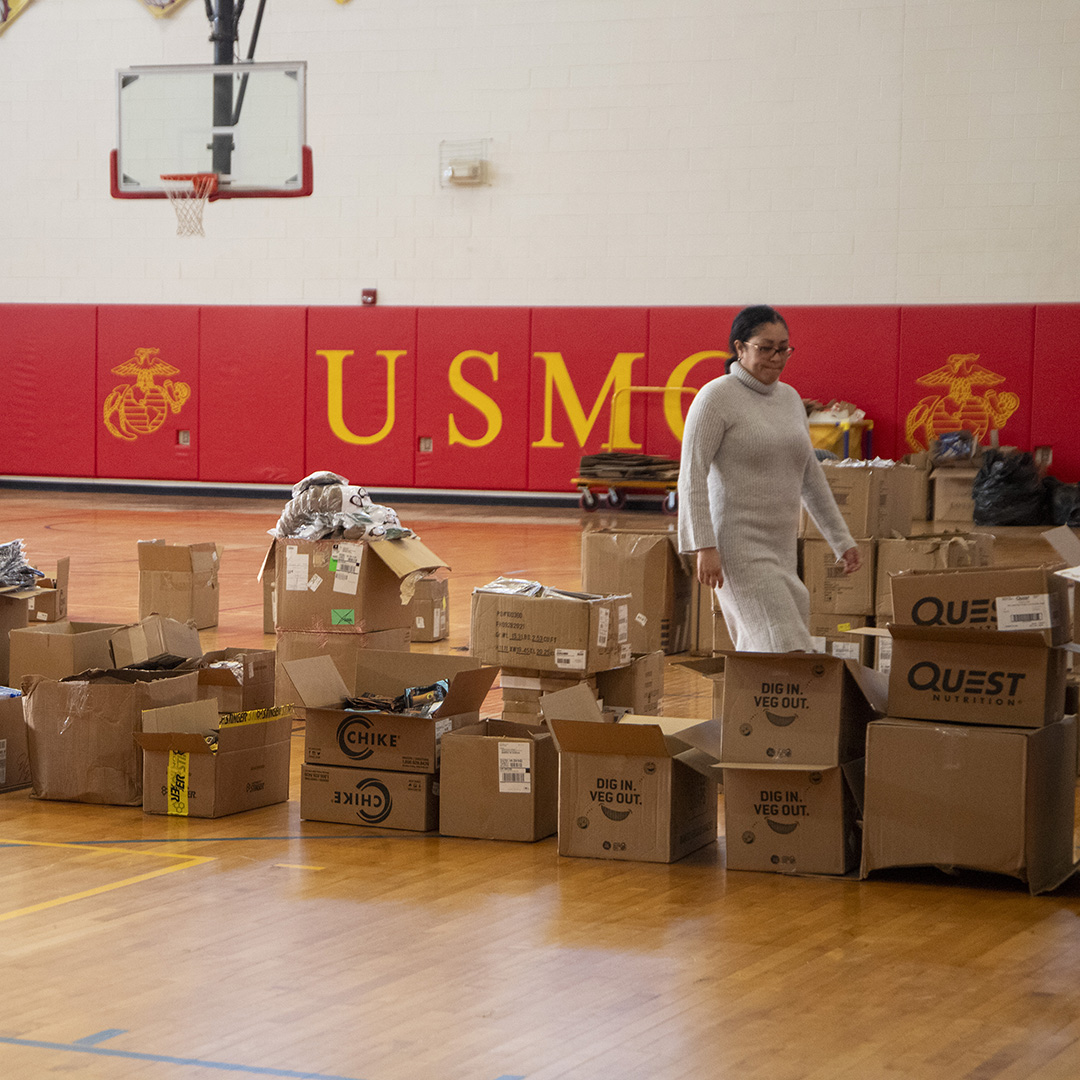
(792, 821)
(384, 800)
(797, 708)
(976, 676)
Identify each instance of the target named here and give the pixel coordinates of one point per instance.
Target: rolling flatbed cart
(613, 484)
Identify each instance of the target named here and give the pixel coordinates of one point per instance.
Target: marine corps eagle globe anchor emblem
(140, 408)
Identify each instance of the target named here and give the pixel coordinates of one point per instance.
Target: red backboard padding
(1055, 393)
(361, 364)
(51, 412)
(472, 393)
(148, 392)
(252, 400)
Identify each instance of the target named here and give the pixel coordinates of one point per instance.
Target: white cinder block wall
(643, 152)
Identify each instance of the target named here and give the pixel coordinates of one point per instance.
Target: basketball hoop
(188, 193)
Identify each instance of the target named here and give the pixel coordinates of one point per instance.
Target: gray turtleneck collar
(747, 379)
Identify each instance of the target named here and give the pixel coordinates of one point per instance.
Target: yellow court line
(189, 861)
(297, 866)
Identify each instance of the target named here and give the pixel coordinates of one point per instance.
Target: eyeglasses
(784, 351)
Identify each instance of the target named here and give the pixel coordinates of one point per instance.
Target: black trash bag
(1008, 490)
(1063, 501)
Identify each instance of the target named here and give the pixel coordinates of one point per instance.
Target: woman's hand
(709, 570)
(852, 560)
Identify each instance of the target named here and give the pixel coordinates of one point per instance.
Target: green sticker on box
(342, 617)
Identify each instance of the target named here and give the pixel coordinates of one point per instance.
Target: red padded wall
(575, 353)
(965, 367)
(1055, 414)
(148, 392)
(361, 365)
(51, 412)
(251, 408)
(472, 392)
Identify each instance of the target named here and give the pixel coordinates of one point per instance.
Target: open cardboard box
(385, 740)
(156, 639)
(184, 775)
(180, 581)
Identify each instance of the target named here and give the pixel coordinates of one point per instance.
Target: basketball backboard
(245, 122)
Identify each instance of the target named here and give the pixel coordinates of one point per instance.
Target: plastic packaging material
(9, 691)
(325, 506)
(866, 463)
(15, 571)
(954, 446)
(1008, 490)
(1063, 502)
(513, 586)
(414, 701)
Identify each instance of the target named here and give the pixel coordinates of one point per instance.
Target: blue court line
(81, 1047)
(101, 1036)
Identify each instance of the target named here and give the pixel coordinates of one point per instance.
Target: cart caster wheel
(589, 502)
(616, 499)
(671, 503)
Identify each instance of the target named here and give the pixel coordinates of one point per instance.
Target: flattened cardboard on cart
(793, 819)
(239, 680)
(646, 566)
(995, 799)
(798, 708)
(1008, 599)
(942, 552)
(378, 799)
(184, 776)
(80, 731)
(969, 676)
(59, 649)
(180, 581)
(429, 610)
(628, 792)
(346, 586)
(156, 639)
(14, 756)
(499, 781)
(385, 740)
(570, 632)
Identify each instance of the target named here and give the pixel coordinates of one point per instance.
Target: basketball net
(188, 193)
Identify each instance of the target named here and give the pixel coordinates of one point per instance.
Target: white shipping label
(640, 618)
(515, 767)
(296, 570)
(625, 656)
(846, 650)
(884, 655)
(570, 659)
(42, 616)
(313, 583)
(1024, 612)
(818, 644)
(602, 624)
(345, 562)
(419, 622)
(624, 623)
(441, 728)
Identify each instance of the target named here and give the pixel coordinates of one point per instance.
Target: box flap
(183, 742)
(585, 737)
(156, 555)
(154, 636)
(317, 681)
(776, 766)
(1065, 542)
(873, 684)
(577, 702)
(467, 691)
(704, 736)
(406, 556)
(1028, 639)
(268, 563)
(710, 667)
(189, 716)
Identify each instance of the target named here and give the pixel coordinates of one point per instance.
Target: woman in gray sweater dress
(747, 464)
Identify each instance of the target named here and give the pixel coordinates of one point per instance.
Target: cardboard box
(180, 581)
(576, 633)
(384, 800)
(830, 588)
(636, 688)
(156, 640)
(873, 500)
(946, 552)
(628, 792)
(966, 676)
(45, 601)
(994, 799)
(346, 586)
(184, 776)
(343, 649)
(499, 781)
(80, 731)
(238, 680)
(14, 756)
(831, 633)
(523, 690)
(951, 495)
(429, 610)
(647, 567)
(1012, 599)
(797, 708)
(59, 649)
(788, 820)
(385, 740)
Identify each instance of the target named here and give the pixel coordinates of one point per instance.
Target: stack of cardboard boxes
(45, 602)
(975, 765)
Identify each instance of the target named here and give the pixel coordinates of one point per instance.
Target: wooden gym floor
(260, 945)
